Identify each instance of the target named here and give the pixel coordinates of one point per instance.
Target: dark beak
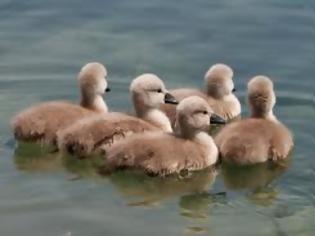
(169, 98)
(215, 119)
(107, 90)
(234, 90)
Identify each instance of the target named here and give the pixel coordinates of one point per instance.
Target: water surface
(44, 43)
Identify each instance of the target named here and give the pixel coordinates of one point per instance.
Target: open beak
(107, 90)
(169, 98)
(216, 119)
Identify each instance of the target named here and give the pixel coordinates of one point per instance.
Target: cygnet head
(194, 114)
(148, 91)
(261, 97)
(92, 80)
(219, 81)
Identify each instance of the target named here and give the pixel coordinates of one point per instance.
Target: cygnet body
(260, 137)
(41, 122)
(219, 93)
(165, 153)
(87, 135)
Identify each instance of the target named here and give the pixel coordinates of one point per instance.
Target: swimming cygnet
(260, 137)
(219, 93)
(87, 135)
(165, 153)
(41, 122)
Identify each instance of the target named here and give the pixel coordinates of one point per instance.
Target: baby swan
(161, 153)
(260, 137)
(219, 93)
(41, 122)
(88, 135)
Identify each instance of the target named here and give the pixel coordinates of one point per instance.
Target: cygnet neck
(204, 139)
(207, 141)
(185, 132)
(213, 92)
(93, 102)
(230, 98)
(268, 115)
(152, 115)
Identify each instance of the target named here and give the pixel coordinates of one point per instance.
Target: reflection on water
(195, 196)
(251, 177)
(34, 157)
(197, 209)
(198, 205)
(197, 200)
(139, 189)
(85, 167)
(256, 180)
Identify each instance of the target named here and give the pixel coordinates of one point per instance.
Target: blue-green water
(44, 43)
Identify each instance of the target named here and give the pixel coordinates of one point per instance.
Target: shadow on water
(256, 180)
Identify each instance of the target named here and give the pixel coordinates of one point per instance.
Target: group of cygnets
(169, 132)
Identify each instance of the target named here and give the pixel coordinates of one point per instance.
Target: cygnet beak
(169, 98)
(234, 90)
(216, 119)
(107, 90)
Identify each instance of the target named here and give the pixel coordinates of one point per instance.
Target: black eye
(205, 112)
(159, 90)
